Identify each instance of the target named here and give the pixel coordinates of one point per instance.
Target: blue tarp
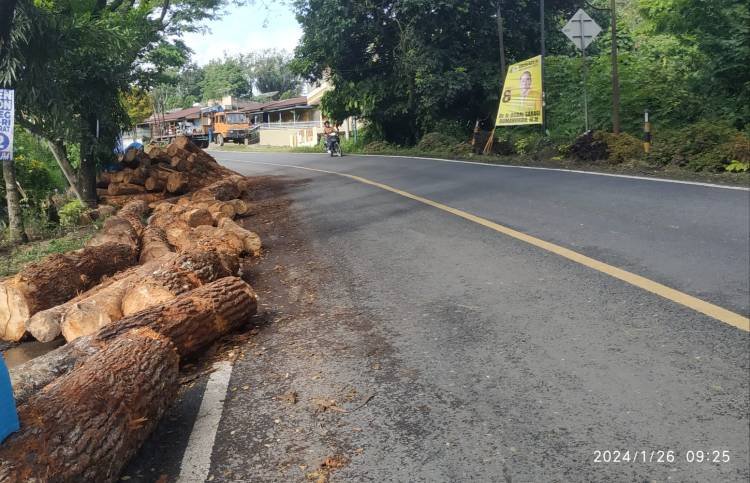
(8, 414)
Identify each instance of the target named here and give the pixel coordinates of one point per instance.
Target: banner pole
(490, 142)
(543, 53)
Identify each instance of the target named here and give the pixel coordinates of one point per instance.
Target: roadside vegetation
(423, 78)
(420, 79)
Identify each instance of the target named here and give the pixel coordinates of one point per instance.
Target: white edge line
(511, 166)
(196, 461)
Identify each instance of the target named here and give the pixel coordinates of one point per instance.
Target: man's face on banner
(526, 82)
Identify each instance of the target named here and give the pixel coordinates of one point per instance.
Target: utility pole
(543, 53)
(500, 35)
(615, 75)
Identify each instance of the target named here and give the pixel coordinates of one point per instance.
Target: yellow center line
(707, 308)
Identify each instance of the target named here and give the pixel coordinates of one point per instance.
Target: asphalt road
(490, 359)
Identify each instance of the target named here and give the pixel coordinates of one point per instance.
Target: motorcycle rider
(328, 130)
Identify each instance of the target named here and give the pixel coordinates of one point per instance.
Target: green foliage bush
(703, 146)
(71, 213)
(435, 141)
(621, 147)
(462, 150)
(378, 146)
(529, 143)
(737, 167)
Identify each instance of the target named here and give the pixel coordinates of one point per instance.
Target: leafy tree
(225, 77)
(408, 65)
(719, 30)
(61, 49)
(271, 71)
(138, 105)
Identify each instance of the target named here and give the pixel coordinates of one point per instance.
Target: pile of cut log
(157, 172)
(156, 284)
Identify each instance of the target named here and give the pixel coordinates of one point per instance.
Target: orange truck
(224, 126)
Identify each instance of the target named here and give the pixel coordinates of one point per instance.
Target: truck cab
(230, 126)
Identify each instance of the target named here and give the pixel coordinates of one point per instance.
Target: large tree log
(45, 324)
(177, 182)
(154, 244)
(223, 190)
(181, 163)
(139, 291)
(135, 176)
(250, 240)
(125, 228)
(121, 200)
(103, 179)
(31, 376)
(55, 280)
(116, 189)
(86, 425)
(241, 208)
(153, 183)
(192, 321)
(197, 217)
(116, 229)
(184, 142)
(174, 150)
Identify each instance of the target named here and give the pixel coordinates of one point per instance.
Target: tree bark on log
(121, 200)
(177, 182)
(55, 280)
(240, 207)
(86, 425)
(140, 291)
(196, 319)
(198, 217)
(31, 376)
(251, 241)
(44, 326)
(192, 321)
(126, 227)
(223, 190)
(153, 183)
(181, 164)
(154, 244)
(117, 189)
(116, 230)
(135, 176)
(184, 142)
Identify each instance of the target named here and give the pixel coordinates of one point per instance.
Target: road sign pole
(615, 75)
(585, 93)
(582, 35)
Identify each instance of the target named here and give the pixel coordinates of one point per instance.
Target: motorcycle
(334, 145)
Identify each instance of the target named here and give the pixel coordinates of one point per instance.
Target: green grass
(13, 259)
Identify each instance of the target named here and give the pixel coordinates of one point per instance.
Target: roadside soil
(291, 406)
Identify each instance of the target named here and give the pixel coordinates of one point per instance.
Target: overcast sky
(245, 29)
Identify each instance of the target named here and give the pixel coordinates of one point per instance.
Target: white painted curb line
(196, 462)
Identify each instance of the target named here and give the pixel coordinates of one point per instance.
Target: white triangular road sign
(581, 29)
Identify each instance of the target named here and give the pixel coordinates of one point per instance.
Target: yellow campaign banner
(521, 98)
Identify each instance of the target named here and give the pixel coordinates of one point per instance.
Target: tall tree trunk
(17, 234)
(61, 156)
(87, 171)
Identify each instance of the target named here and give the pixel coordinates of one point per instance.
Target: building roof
(189, 113)
(249, 105)
(278, 105)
